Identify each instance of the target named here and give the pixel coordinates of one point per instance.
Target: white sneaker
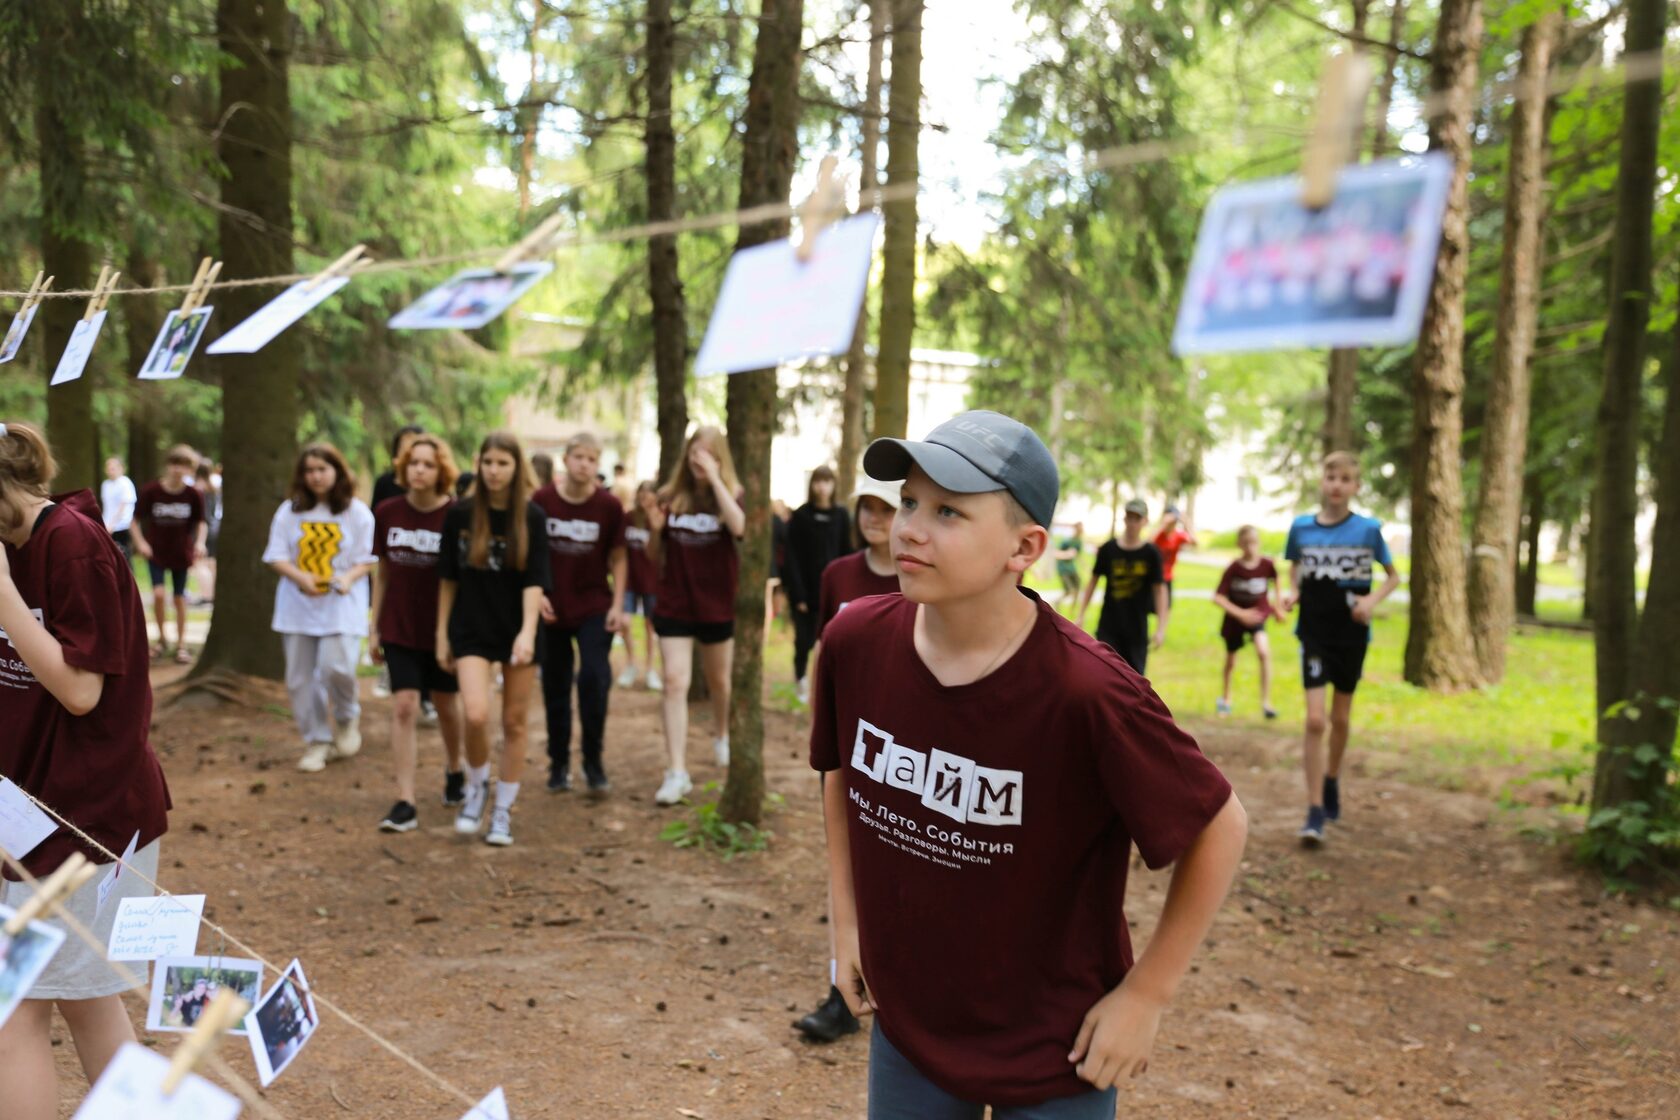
(501, 828)
(627, 679)
(805, 691)
(347, 740)
(472, 809)
(314, 758)
(428, 714)
(720, 750)
(653, 682)
(382, 683)
(676, 787)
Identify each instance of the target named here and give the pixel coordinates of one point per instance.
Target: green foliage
(706, 829)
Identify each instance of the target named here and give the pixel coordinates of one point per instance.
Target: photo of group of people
(22, 959)
(1269, 272)
(282, 1023)
(175, 344)
(182, 987)
(470, 299)
(15, 333)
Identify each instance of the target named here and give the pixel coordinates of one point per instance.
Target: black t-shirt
(815, 539)
(1131, 575)
(191, 1008)
(385, 486)
(489, 603)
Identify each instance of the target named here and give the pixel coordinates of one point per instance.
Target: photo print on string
(266, 323)
(77, 351)
(22, 960)
(492, 1107)
(182, 987)
(14, 333)
(282, 1023)
(1269, 273)
(175, 344)
(131, 1088)
(470, 299)
(774, 308)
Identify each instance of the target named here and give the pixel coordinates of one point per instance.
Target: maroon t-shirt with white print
(581, 537)
(408, 543)
(170, 522)
(991, 921)
(643, 576)
(847, 579)
(698, 569)
(98, 769)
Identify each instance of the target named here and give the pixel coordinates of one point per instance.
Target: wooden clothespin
(349, 262)
(36, 291)
(826, 204)
(70, 877)
(208, 270)
(226, 1009)
(102, 289)
(1336, 121)
(533, 245)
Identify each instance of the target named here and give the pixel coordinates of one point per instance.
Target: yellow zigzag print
(319, 548)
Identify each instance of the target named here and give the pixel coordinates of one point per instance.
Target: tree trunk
(1385, 84)
(142, 318)
(898, 251)
(533, 114)
(1342, 371)
(769, 147)
(670, 319)
(66, 255)
(1528, 576)
(1493, 538)
(1615, 501)
(1440, 654)
(857, 358)
(259, 391)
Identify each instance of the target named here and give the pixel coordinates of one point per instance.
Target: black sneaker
(559, 781)
(401, 818)
(830, 1022)
(1332, 799)
(1312, 833)
(596, 778)
(454, 788)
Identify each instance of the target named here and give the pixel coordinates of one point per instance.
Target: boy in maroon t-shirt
(170, 533)
(1245, 595)
(587, 561)
(984, 927)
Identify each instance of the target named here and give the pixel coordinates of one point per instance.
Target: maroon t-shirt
(1245, 586)
(990, 922)
(170, 522)
(697, 576)
(581, 537)
(846, 579)
(407, 542)
(98, 770)
(643, 576)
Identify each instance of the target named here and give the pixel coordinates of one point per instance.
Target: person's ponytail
(26, 471)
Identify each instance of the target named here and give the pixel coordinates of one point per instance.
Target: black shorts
(417, 670)
(177, 577)
(1340, 665)
(125, 541)
(1236, 636)
(706, 633)
(1133, 651)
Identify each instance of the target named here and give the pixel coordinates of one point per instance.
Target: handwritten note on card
(22, 826)
(148, 928)
(132, 1087)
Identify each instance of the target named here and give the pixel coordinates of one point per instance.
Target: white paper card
(75, 357)
(115, 874)
(23, 959)
(182, 987)
(774, 308)
(15, 333)
(492, 1107)
(470, 299)
(275, 316)
(280, 1025)
(174, 345)
(22, 826)
(148, 928)
(131, 1088)
(1269, 273)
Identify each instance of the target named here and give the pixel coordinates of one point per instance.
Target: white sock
(478, 775)
(833, 973)
(505, 793)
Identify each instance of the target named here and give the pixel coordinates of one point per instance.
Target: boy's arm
(376, 653)
(1118, 1033)
(1293, 595)
(1163, 608)
(848, 973)
(1085, 598)
(1366, 606)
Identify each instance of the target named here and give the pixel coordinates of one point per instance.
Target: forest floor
(1428, 962)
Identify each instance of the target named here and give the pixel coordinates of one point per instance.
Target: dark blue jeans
(898, 1091)
(594, 681)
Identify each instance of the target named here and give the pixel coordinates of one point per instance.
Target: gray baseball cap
(1138, 506)
(976, 453)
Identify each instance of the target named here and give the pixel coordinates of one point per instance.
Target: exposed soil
(1426, 963)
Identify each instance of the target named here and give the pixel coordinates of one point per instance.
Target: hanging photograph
(15, 333)
(276, 315)
(76, 352)
(1269, 273)
(470, 299)
(175, 344)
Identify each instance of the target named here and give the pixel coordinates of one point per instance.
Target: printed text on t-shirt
(947, 783)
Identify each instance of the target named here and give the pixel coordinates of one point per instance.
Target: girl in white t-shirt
(321, 544)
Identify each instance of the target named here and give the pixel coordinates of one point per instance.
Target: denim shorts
(898, 1091)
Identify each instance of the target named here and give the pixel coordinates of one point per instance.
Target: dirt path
(1424, 964)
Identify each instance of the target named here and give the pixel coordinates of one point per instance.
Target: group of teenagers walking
(982, 929)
